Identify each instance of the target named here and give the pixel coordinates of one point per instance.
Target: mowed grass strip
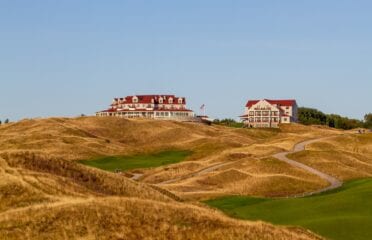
(112, 163)
(345, 213)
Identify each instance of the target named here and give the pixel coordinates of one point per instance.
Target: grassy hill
(345, 157)
(248, 152)
(47, 194)
(342, 214)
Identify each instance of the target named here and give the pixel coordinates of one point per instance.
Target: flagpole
(202, 110)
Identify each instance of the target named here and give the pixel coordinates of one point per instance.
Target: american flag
(202, 107)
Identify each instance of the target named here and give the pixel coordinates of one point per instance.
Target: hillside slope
(345, 157)
(46, 194)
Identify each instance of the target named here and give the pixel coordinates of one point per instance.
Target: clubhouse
(267, 113)
(167, 107)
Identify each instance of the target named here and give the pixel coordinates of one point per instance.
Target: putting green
(112, 163)
(344, 213)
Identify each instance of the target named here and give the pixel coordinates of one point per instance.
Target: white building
(269, 113)
(149, 106)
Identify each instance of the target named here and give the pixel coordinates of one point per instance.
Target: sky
(72, 57)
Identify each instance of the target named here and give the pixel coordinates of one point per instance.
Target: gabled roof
(112, 110)
(109, 110)
(116, 106)
(148, 99)
(281, 102)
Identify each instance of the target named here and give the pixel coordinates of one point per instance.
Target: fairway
(345, 213)
(112, 163)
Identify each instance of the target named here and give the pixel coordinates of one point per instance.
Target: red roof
(148, 99)
(109, 110)
(281, 102)
(145, 110)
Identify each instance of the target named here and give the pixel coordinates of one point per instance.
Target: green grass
(112, 163)
(345, 213)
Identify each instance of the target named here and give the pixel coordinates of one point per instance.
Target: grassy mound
(345, 213)
(92, 182)
(346, 157)
(112, 163)
(133, 218)
(48, 195)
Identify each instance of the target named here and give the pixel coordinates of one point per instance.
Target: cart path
(282, 156)
(137, 176)
(334, 182)
(198, 173)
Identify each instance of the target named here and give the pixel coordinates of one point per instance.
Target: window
(251, 113)
(265, 113)
(258, 113)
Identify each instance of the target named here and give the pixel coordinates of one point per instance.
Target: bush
(309, 116)
(229, 122)
(368, 120)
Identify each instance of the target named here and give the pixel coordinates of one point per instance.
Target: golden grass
(45, 194)
(93, 180)
(263, 175)
(345, 156)
(131, 218)
(259, 177)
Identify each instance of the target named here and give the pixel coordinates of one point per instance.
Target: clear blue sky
(64, 58)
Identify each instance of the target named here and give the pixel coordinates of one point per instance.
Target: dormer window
(135, 100)
(160, 100)
(180, 101)
(170, 100)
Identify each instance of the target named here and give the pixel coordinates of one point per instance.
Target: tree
(309, 116)
(229, 122)
(368, 120)
(0, 122)
(6, 121)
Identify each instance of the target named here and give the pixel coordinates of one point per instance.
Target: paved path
(136, 176)
(334, 182)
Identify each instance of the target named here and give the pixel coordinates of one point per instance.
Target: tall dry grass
(345, 157)
(45, 194)
(123, 218)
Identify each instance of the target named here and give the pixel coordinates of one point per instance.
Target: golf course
(344, 213)
(123, 163)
